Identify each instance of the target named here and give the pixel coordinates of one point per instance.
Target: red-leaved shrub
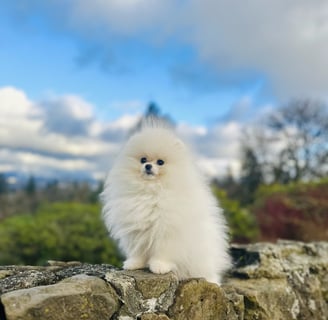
(298, 211)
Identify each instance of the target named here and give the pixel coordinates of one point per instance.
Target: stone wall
(287, 280)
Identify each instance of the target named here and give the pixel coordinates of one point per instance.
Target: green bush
(241, 222)
(59, 231)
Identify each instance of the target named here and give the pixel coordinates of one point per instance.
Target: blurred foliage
(297, 211)
(3, 184)
(269, 200)
(30, 197)
(288, 144)
(58, 231)
(242, 224)
(283, 178)
(251, 176)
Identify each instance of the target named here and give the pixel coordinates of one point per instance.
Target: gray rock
(198, 299)
(22, 277)
(274, 261)
(78, 297)
(287, 280)
(154, 316)
(142, 292)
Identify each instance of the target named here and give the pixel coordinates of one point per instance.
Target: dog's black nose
(148, 167)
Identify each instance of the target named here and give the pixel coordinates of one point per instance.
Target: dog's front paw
(160, 266)
(134, 264)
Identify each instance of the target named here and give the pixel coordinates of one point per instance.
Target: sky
(75, 76)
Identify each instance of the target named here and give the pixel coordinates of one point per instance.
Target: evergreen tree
(3, 184)
(228, 183)
(251, 175)
(30, 187)
(153, 112)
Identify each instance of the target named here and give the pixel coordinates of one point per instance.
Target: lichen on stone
(287, 280)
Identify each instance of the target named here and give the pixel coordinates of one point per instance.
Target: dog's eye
(143, 160)
(160, 162)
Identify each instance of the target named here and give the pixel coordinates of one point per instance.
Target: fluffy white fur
(165, 218)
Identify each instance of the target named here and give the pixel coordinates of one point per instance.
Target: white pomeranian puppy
(160, 210)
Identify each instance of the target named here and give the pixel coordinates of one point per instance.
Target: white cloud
(18, 118)
(126, 122)
(121, 16)
(216, 167)
(23, 128)
(216, 148)
(34, 136)
(38, 164)
(15, 104)
(284, 41)
(28, 145)
(68, 115)
(78, 108)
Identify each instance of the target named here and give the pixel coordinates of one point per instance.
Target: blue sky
(40, 57)
(213, 66)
